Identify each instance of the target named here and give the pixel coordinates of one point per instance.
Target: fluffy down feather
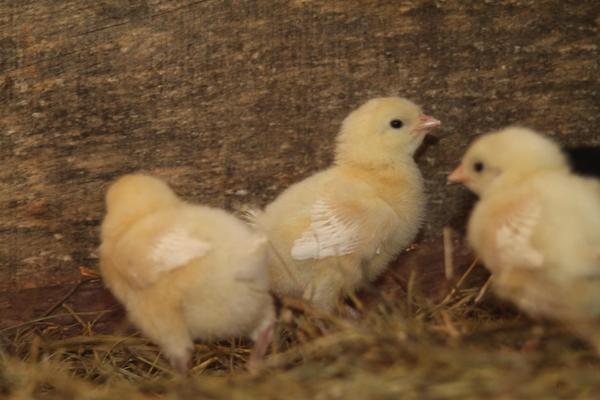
(340, 227)
(183, 271)
(536, 225)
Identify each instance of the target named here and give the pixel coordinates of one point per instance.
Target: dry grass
(399, 341)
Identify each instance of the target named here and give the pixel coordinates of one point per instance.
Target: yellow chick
(184, 271)
(536, 225)
(340, 227)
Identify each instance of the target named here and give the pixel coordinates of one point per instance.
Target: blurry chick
(536, 226)
(184, 271)
(340, 227)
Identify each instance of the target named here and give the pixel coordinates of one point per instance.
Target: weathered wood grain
(233, 101)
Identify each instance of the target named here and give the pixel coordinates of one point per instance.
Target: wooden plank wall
(231, 101)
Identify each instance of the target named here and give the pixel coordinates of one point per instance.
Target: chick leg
(177, 347)
(262, 337)
(168, 330)
(325, 290)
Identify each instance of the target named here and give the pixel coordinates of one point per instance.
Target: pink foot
(261, 344)
(182, 364)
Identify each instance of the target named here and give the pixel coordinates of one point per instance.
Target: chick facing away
(536, 225)
(184, 271)
(340, 227)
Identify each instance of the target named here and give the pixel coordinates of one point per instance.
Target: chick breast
(339, 229)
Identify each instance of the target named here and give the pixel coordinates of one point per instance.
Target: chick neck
(365, 158)
(384, 174)
(511, 179)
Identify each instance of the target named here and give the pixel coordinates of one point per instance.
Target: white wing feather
(328, 234)
(176, 248)
(513, 238)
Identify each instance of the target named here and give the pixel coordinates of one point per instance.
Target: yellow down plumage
(183, 271)
(536, 226)
(340, 227)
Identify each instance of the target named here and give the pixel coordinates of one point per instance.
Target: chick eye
(478, 166)
(396, 123)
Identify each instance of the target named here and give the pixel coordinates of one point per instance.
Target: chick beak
(427, 123)
(458, 175)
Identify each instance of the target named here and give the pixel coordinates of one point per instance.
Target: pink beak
(427, 123)
(458, 175)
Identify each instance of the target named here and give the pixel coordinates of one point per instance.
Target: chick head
(138, 194)
(514, 151)
(383, 130)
